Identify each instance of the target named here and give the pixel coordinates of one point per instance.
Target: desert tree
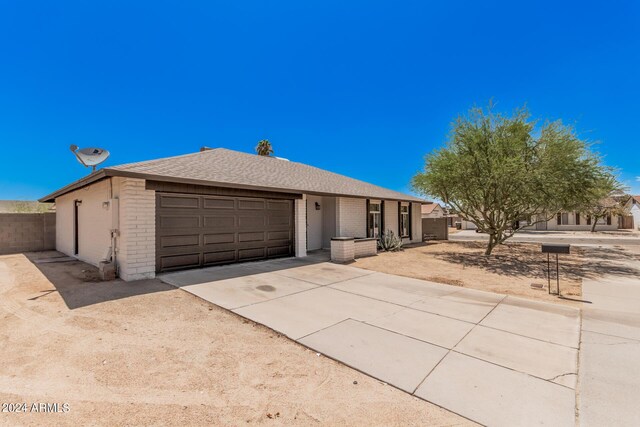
(608, 198)
(496, 170)
(264, 148)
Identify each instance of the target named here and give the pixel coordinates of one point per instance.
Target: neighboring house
(563, 221)
(633, 207)
(218, 207)
(432, 210)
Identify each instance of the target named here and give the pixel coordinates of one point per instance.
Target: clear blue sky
(359, 88)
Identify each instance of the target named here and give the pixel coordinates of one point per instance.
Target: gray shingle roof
(220, 166)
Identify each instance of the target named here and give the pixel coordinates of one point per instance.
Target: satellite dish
(90, 157)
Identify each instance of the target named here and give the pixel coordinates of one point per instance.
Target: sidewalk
(609, 374)
(571, 237)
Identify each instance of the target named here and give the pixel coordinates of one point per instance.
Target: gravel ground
(143, 353)
(512, 268)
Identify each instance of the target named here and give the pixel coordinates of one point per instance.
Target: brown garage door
(198, 231)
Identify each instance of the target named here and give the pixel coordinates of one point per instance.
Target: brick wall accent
(300, 228)
(137, 240)
(27, 232)
(351, 217)
(365, 247)
(342, 249)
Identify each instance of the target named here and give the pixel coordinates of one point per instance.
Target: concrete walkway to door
(494, 359)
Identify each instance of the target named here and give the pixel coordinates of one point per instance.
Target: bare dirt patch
(143, 353)
(515, 268)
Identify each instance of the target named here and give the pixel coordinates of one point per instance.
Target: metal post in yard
(549, 273)
(557, 275)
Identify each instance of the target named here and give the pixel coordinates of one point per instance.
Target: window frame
(371, 218)
(401, 217)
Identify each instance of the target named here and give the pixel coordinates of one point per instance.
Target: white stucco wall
(391, 216)
(94, 221)
(635, 212)
(134, 220)
(328, 221)
(416, 223)
(314, 222)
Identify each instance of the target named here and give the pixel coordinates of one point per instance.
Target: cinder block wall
(27, 232)
(300, 226)
(137, 240)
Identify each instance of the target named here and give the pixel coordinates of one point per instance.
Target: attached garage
(203, 230)
(217, 207)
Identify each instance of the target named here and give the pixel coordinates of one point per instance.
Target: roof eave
(103, 173)
(83, 182)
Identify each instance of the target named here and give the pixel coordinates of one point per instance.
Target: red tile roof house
(217, 207)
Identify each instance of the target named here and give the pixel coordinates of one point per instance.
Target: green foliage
(264, 148)
(389, 242)
(608, 196)
(496, 170)
(30, 207)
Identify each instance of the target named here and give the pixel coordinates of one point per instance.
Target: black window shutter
(399, 219)
(559, 218)
(368, 222)
(410, 221)
(608, 219)
(381, 217)
(577, 219)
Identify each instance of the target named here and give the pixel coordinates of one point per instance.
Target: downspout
(115, 221)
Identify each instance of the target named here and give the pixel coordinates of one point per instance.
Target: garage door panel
(251, 204)
(279, 220)
(212, 239)
(256, 236)
(278, 251)
(169, 262)
(181, 202)
(253, 253)
(251, 222)
(215, 203)
(219, 221)
(179, 221)
(219, 257)
(279, 235)
(279, 205)
(180, 240)
(197, 230)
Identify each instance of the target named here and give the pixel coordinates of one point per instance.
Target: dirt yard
(145, 353)
(515, 268)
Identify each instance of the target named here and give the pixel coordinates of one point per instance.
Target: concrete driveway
(495, 359)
